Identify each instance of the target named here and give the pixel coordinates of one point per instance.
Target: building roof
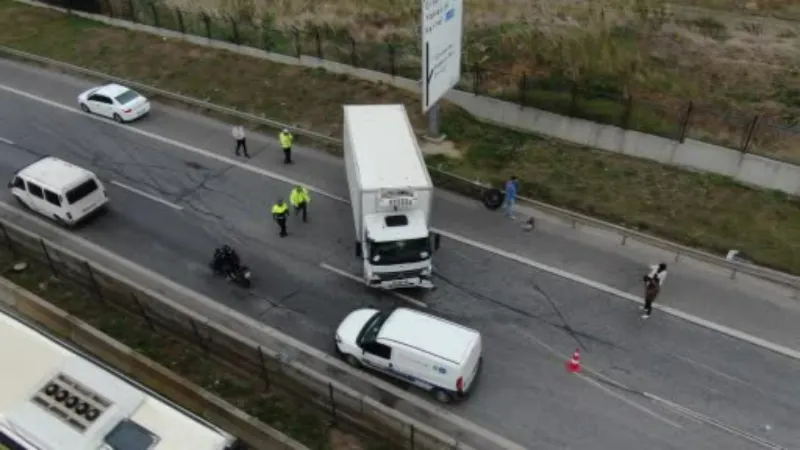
(435, 335)
(385, 148)
(56, 173)
(99, 408)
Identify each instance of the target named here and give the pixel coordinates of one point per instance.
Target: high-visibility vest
(280, 209)
(286, 139)
(299, 195)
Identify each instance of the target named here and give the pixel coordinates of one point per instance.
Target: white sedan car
(115, 102)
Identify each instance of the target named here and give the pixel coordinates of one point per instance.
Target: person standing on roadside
(286, 139)
(241, 143)
(652, 286)
(300, 199)
(280, 211)
(511, 188)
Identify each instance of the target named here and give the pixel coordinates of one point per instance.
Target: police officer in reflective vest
(280, 211)
(300, 199)
(286, 139)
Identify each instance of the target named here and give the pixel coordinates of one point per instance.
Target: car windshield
(373, 326)
(127, 97)
(80, 192)
(399, 252)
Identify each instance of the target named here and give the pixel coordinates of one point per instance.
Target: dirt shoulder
(700, 210)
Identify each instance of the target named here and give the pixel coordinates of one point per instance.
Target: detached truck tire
(493, 198)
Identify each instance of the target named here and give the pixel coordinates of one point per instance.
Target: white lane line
(6, 141)
(358, 279)
(146, 195)
(712, 370)
(736, 334)
(594, 383)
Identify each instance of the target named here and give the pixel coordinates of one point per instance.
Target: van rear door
(85, 197)
(472, 363)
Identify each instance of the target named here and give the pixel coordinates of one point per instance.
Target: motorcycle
(238, 275)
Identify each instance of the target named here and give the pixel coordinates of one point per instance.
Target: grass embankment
(696, 209)
(297, 419)
(729, 61)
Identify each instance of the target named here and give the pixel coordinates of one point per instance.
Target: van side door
(36, 198)
(377, 355)
(54, 201)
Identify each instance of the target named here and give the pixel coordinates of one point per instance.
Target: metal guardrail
(468, 187)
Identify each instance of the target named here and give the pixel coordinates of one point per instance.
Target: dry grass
(730, 62)
(696, 209)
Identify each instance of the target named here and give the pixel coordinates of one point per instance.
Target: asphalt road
(685, 386)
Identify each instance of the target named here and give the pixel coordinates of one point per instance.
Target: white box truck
(391, 195)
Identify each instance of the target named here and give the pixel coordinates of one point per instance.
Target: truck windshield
(399, 252)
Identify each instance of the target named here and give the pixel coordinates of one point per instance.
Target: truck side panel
(352, 180)
(425, 199)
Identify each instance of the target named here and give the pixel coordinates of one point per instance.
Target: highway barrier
(123, 360)
(448, 181)
(272, 368)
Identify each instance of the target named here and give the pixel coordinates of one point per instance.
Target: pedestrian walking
(241, 143)
(280, 211)
(511, 188)
(286, 139)
(300, 199)
(652, 286)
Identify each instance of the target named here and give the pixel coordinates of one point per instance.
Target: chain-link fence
(263, 366)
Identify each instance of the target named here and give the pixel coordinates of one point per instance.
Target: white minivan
(429, 352)
(59, 190)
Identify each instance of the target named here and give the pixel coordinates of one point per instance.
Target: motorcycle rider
(226, 260)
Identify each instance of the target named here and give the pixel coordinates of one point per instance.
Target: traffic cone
(574, 364)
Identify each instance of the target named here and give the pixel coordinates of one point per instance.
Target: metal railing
(265, 367)
(447, 180)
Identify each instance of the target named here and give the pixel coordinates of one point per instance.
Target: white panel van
(429, 352)
(59, 190)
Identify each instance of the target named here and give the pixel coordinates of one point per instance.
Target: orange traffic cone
(574, 364)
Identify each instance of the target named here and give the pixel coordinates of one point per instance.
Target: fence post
(296, 33)
(235, 29)
(686, 120)
(476, 80)
(523, 86)
(750, 132)
(47, 256)
(573, 103)
(145, 316)
(155, 14)
(200, 339)
(333, 403)
(93, 281)
(353, 57)
(627, 114)
(8, 242)
(207, 21)
(318, 41)
(412, 438)
(264, 371)
(181, 25)
(109, 8)
(131, 11)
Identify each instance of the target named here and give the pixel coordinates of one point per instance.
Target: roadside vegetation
(297, 419)
(635, 63)
(701, 210)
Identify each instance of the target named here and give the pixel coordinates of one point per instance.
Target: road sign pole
(433, 121)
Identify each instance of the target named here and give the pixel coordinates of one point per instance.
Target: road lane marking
(146, 195)
(358, 279)
(712, 370)
(558, 356)
(763, 343)
(6, 141)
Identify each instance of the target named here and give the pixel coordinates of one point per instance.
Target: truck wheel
(493, 198)
(442, 396)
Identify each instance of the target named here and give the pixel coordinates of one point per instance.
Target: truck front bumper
(416, 282)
